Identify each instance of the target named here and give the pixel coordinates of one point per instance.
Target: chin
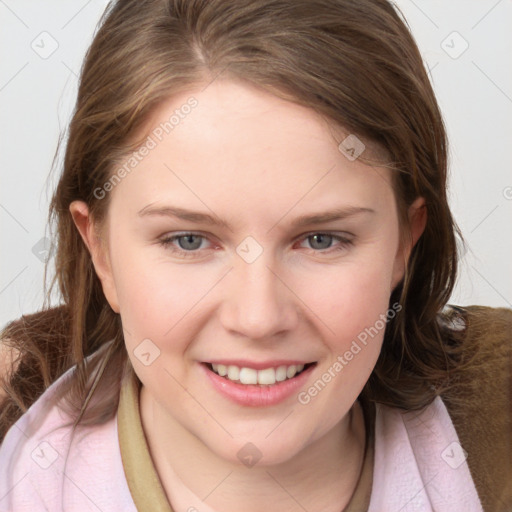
(256, 451)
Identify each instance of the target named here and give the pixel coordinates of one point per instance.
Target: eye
(320, 242)
(188, 243)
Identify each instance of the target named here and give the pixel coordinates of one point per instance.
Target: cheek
(156, 297)
(353, 310)
(158, 303)
(351, 304)
(349, 297)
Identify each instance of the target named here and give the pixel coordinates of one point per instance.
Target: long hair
(354, 62)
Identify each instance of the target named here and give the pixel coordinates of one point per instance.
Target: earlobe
(97, 249)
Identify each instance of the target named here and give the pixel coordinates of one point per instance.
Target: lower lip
(255, 395)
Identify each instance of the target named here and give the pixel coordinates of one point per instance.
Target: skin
(258, 162)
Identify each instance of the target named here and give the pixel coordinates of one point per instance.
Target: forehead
(233, 144)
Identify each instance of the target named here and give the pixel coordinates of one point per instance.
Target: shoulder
(480, 401)
(45, 464)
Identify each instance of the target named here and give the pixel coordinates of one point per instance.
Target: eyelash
(167, 241)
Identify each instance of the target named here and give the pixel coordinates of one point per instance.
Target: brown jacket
(481, 407)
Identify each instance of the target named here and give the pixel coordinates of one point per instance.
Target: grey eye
(320, 239)
(189, 244)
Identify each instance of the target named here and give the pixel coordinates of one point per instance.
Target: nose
(258, 304)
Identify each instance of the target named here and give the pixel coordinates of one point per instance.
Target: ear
(417, 219)
(97, 249)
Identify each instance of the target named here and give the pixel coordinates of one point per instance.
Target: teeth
(248, 376)
(268, 376)
(233, 372)
(291, 371)
(281, 373)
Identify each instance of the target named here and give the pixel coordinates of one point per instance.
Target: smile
(268, 384)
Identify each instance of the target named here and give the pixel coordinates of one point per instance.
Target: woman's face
(292, 255)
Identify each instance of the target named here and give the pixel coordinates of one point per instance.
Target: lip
(256, 395)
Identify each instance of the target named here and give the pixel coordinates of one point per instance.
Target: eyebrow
(205, 218)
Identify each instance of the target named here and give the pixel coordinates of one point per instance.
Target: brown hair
(352, 61)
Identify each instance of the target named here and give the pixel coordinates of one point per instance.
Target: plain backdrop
(466, 44)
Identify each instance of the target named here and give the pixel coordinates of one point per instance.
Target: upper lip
(258, 365)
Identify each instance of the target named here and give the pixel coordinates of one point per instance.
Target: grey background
(41, 49)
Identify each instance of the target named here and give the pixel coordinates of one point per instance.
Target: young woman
(254, 252)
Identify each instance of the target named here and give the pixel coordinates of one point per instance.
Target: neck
(320, 478)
